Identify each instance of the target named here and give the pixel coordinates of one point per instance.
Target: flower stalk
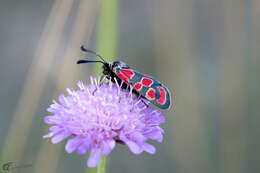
(101, 165)
(107, 42)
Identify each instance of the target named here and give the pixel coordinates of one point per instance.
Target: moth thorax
(118, 65)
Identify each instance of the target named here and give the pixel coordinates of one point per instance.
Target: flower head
(99, 115)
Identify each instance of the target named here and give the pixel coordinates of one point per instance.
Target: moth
(148, 87)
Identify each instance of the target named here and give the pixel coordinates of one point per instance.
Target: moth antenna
(92, 52)
(88, 61)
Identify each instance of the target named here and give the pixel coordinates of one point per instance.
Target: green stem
(106, 46)
(101, 165)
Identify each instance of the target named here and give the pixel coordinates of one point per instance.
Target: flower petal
(73, 144)
(134, 147)
(84, 147)
(63, 100)
(52, 120)
(94, 157)
(56, 129)
(112, 143)
(149, 148)
(49, 135)
(59, 137)
(155, 135)
(81, 85)
(108, 146)
(139, 137)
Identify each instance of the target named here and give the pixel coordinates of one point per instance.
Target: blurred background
(205, 51)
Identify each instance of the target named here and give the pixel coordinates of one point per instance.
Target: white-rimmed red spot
(138, 86)
(162, 98)
(128, 73)
(146, 82)
(123, 77)
(150, 94)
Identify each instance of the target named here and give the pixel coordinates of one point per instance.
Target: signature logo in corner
(8, 166)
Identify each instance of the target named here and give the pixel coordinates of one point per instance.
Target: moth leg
(102, 78)
(144, 100)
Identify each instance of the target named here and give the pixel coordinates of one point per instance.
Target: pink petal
(84, 147)
(94, 157)
(56, 129)
(73, 144)
(131, 145)
(63, 100)
(134, 147)
(139, 137)
(112, 143)
(70, 91)
(108, 146)
(162, 119)
(155, 135)
(149, 148)
(59, 137)
(51, 120)
(81, 85)
(49, 135)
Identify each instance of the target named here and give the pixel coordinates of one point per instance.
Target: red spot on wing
(150, 94)
(128, 73)
(123, 77)
(147, 82)
(162, 98)
(138, 86)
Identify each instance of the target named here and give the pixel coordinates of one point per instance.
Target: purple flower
(99, 115)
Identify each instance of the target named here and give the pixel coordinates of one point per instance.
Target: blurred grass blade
(107, 31)
(68, 75)
(35, 81)
(174, 64)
